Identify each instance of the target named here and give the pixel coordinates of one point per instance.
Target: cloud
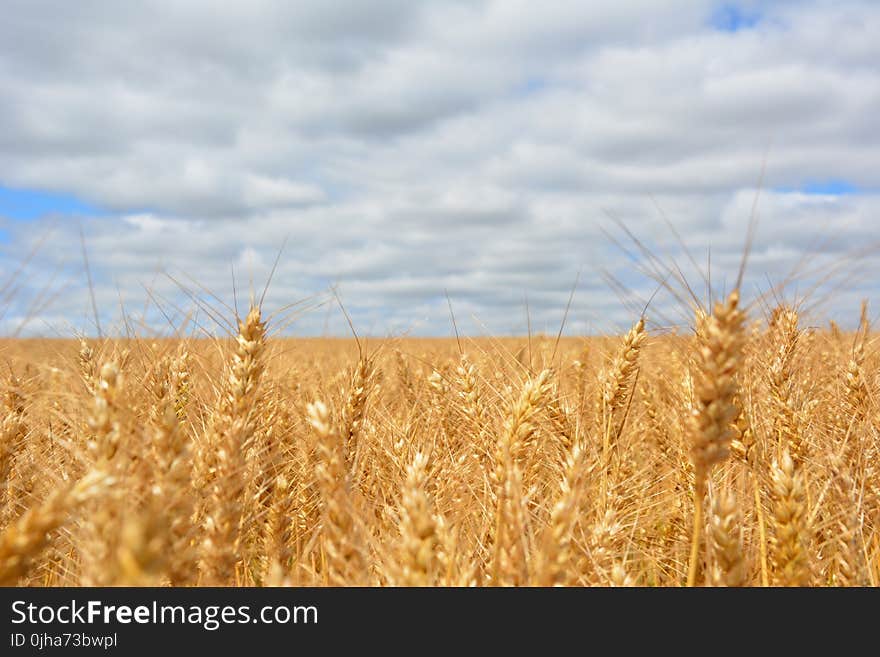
(405, 150)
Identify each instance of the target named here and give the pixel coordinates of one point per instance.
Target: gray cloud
(409, 149)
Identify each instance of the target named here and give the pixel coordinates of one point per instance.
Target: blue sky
(729, 17)
(833, 187)
(24, 204)
(824, 187)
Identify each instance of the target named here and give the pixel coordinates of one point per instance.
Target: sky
(398, 152)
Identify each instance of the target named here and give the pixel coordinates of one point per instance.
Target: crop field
(741, 451)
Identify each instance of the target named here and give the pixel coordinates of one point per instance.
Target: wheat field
(740, 452)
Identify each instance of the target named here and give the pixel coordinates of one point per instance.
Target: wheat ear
(342, 540)
(418, 528)
(788, 545)
(721, 341)
(233, 430)
(510, 547)
(25, 538)
(555, 555)
(724, 529)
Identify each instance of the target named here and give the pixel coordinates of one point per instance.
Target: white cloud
(408, 149)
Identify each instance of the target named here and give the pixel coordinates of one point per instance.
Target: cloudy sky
(404, 149)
